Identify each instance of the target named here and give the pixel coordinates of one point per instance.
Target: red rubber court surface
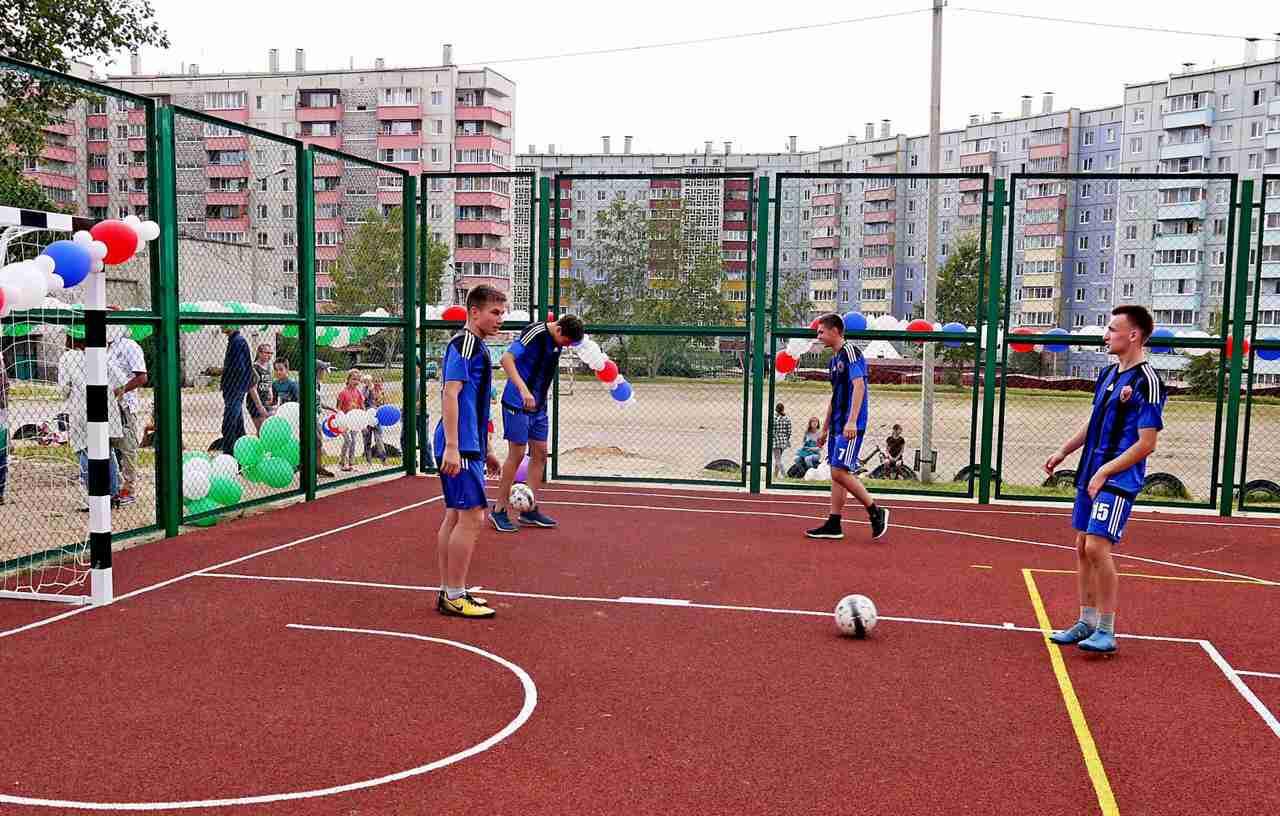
(664, 649)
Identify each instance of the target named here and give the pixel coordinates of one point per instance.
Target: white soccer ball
(521, 498)
(855, 616)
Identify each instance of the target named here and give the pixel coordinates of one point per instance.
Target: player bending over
(1128, 406)
(844, 428)
(531, 365)
(462, 447)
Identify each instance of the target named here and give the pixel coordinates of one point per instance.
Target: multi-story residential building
(236, 188)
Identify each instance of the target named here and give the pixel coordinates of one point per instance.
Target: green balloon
(278, 472)
(358, 333)
(188, 306)
(18, 330)
(248, 451)
(290, 331)
(236, 306)
(275, 433)
(76, 331)
(327, 336)
(141, 332)
(292, 453)
(254, 474)
(224, 490)
(202, 506)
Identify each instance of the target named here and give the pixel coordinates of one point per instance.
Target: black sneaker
(829, 529)
(879, 521)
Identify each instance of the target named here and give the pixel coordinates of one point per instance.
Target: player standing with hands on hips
(1128, 408)
(462, 447)
(844, 429)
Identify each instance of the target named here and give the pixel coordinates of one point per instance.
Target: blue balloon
(1268, 354)
(388, 415)
(953, 327)
(71, 261)
(855, 321)
(622, 393)
(1163, 332)
(1056, 347)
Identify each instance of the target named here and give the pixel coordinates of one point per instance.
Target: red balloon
(609, 373)
(1231, 345)
(919, 325)
(1022, 346)
(814, 324)
(119, 237)
(551, 317)
(785, 363)
(454, 313)
(491, 426)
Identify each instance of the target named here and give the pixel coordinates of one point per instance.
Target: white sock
(1107, 622)
(454, 594)
(1089, 614)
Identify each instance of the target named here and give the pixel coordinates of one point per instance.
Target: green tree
(54, 35)
(370, 275)
(434, 256)
(18, 191)
(792, 300)
(1201, 374)
(957, 293)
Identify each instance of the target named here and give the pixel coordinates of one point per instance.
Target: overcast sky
(820, 84)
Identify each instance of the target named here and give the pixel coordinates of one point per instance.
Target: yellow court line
(1097, 774)
(1166, 577)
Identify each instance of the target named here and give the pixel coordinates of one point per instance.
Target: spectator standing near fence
(237, 379)
(349, 399)
(781, 437)
(126, 355)
(260, 394)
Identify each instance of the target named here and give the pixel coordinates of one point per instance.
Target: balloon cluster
(786, 360)
(606, 370)
(331, 336)
(64, 264)
(357, 419)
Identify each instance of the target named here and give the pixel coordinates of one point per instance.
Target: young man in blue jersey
(462, 448)
(1128, 408)
(531, 365)
(844, 428)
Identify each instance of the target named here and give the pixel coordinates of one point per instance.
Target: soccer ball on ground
(521, 498)
(855, 616)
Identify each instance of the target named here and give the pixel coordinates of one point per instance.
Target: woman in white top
(71, 381)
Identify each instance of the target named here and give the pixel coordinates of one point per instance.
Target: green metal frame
(1270, 343)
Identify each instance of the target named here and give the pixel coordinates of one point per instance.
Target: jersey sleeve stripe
(532, 332)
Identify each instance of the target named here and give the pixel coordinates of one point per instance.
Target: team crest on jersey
(840, 367)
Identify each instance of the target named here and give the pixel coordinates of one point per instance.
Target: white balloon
(599, 362)
(798, 346)
(886, 323)
(343, 339)
(200, 465)
(588, 346)
(150, 231)
(224, 465)
(98, 250)
(195, 482)
(289, 413)
(617, 382)
(82, 237)
(53, 281)
(45, 264)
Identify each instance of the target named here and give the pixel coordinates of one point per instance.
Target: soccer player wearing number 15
(1128, 408)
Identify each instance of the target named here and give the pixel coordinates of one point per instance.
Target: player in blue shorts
(844, 428)
(462, 448)
(1128, 408)
(531, 365)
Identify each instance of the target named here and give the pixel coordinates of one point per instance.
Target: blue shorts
(466, 490)
(1104, 516)
(843, 453)
(519, 427)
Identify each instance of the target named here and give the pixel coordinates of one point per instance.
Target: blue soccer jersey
(466, 360)
(537, 355)
(847, 365)
(1124, 402)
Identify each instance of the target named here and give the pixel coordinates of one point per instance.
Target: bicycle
(886, 468)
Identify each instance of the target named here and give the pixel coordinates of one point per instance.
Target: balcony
(1195, 241)
(1052, 151)
(886, 238)
(824, 263)
(830, 242)
(240, 115)
(1175, 271)
(331, 142)
(393, 197)
(98, 200)
(467, 255)
(827, 200)
(1201, 117)
(737, 184)
(329, 169)
(1174, 183)
(1051, 228)
(1053, 202)
(137, 171)
(984, 158)
(139, 198)
(734, 226)
(482, 142)
(99, 148)
(219, 198)
(1186, 151)
(64, 128)
(329, 225)
(387, 113)
(328, 253)
(98, 174)
(736, 205)
(226, 143)
(890, 167)
(1191, 300)
(481, 227)
(97, 120)
(61, 154)
(389, 141)
(240, 170)
(1191, 209)
(965, 210)
(827, 222)
(484, 198)
(881, 194)
(329, 114)
(53, 181)
(1047, 254)
(466, 113)
(138, 116)
(479, 169)
(1272, 140)
(328, 197)
(880, 217)
(138, 145)
(971, 185)
(227, 224)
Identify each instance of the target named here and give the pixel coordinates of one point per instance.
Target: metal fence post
(1237, 337)
(167, 395)
(307, 305)
(544, 248)
(992, 339)
(759, 328)
(411, 352)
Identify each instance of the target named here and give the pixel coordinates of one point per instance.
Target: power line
(702, 40)
(1095, 24)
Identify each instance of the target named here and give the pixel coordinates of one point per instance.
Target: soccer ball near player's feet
(521, 498)
(855, 616)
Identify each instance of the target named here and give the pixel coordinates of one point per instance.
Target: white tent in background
(881, 350)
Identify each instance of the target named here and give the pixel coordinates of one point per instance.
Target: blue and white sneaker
(1100, 641)
(1077, 633)
(501, 522)
(535, 518)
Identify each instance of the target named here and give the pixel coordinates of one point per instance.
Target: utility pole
(931, 248)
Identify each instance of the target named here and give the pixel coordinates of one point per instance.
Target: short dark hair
(832, 321)
(484, 294)
(283, 361)
(780, 406)
(572, 328)
(1138, 316)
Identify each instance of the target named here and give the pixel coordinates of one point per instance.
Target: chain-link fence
(1078, 246)
(659, 268)
(1260, 455)
(857, 245)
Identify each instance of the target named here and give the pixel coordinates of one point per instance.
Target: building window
(1111, 135)
(1086, 190)
(1084, 243)
(1259, 96)
(1139, 116)
(437, 98)
(1255, 129)
(226, 100)
(1080, 295)
(1088, 138)
(1084, 216)
(1135, 145)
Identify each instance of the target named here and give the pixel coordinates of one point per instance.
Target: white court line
(193, 573)
(983, 536)
(1141, 514)
(526, 710)
(1233, 677)
(1259, 674)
